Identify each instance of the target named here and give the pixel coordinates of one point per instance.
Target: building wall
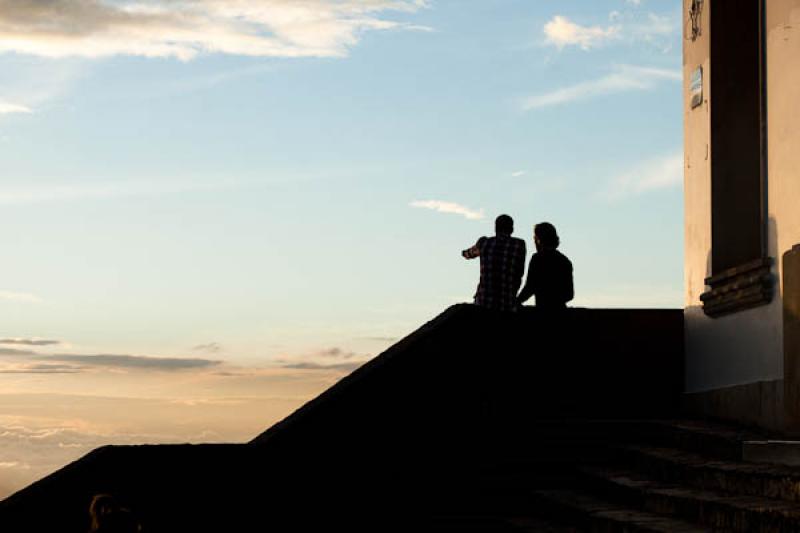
(783, 79)
(745, 347)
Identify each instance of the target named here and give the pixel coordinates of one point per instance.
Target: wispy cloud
(134, 361)
(561, 32)
(517, 173)
(449, 207)
(44, 368)
(164, 28)
(211, 347)
(629, 26)
(19, 296)
(337, 353)
(7, 108)
(625, 78)
(41, 432)
(16, 352)
(380, 339)
(51, 362)
(30, 342)
(333, 358)
(658, 173)
(310, 365)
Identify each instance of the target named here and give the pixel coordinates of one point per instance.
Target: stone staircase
(637, 475)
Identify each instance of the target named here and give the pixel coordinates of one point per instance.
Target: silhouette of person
(549, 272)
(502, 265)
(107, 516)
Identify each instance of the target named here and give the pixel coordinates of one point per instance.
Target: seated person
(502, 264)
(549, 272)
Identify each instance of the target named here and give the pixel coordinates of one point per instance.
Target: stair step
(712, 439)
(589, 513)
(709, 508)
(747, 479)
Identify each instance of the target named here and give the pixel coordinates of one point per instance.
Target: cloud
(183, 30)
(19, 296)
(380, 339)
(57, 361)
(631, 26)
(658, 173)
(211, 347)
(44, 368)
(337, 353)
(561, 32)
(634, 2)
(134, 361)
(15, 352)
(625, 78)
(30, 452)
(449, 207)
(517, 173)
(333, 358)
(308, 365)
(41, 432)
(29, 342)
(7, 108)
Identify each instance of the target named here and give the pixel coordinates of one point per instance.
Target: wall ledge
(739, 288)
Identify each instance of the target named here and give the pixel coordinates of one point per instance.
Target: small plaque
(696, 87)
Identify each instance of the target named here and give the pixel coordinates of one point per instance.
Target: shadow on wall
(791, 337)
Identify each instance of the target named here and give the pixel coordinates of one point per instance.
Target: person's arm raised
(473, 251)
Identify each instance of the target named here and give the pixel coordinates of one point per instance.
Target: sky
(212, 210)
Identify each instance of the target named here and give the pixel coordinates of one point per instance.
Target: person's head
(545, 236)
(504, 225)
(107, 515)
(102, 508)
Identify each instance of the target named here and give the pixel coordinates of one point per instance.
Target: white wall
(745, 347)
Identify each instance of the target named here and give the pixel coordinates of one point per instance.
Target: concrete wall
(783, 132)
(783, 79)
(745, 347)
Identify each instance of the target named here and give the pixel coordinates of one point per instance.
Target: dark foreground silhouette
(403, 443)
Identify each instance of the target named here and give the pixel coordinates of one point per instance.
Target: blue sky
(263, 184)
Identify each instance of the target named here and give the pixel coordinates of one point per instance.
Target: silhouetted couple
(503, 262)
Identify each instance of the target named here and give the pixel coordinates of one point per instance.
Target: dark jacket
(550, 279)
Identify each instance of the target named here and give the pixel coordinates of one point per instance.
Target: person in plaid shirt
(502, 265)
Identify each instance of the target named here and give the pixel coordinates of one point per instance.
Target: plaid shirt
(502, 265)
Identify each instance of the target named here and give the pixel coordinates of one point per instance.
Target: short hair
(547, 235)
(504, 224)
